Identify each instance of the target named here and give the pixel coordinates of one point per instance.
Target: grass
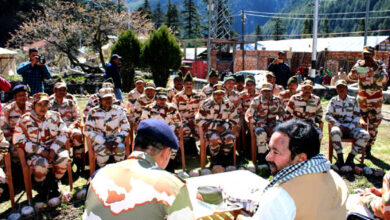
(381, 151)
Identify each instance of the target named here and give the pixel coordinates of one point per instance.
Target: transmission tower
(220, 20)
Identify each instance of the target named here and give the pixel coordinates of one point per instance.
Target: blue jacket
(34, 75)
(112, 71)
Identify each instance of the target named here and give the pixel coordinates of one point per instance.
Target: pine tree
(361, 27)
(278, 28)
(145, 8)
(325, 26)
(308, 26)
(258, 33)
(173, 18)
(191, 19)
(158, 16)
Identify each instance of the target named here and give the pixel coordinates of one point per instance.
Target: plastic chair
(204, 144)
(27, 172)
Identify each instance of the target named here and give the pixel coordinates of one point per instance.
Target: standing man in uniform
(280, 69)
(12, 113)
(217, 116)
(42, 134)
(262, 116)
(213, 79)
(34, 71)
(177, 87)
(306, 106)
(69, 112)
(343, 116)
(107, 127)
(372, 77)
(188, 102)
(112, 71)
(139, 187)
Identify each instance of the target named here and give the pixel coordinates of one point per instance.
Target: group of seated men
(43, 125)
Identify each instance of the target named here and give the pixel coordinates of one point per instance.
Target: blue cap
(160, 131)
(20, 88)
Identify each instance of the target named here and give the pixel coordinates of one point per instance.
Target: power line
(301, 18)
(300, 14)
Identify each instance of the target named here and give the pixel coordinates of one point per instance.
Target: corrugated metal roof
(349, 44)
(190, 52)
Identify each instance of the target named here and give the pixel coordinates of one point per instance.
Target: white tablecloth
(240, 184)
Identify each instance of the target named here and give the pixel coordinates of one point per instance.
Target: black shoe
(340, 160)
(349, 161)
(367, 153)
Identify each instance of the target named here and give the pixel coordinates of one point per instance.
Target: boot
(340, 160)
(80, 165)
(349, 160)
(53, 186)
(367, 153)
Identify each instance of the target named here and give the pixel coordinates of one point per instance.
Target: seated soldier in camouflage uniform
(264, 113)
(107, 127)
(67, 95)
(69, 112)
(42, 134)
(188, 102)
(217, 116)
(343, 116)
(177, 87)
(292, 85)
(164, 111)
(306, 106)
(145, 99)
(4, 145)
(213, 79)
(11, 114)
(93, 100)
(230, 93)
(272, 79)
(139, 187)
(133, 95)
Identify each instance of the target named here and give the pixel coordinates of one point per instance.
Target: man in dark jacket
(280, 69)
(112, 71)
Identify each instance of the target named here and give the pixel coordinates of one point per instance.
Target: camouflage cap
(188, 77)
(341, 82)
(292, 79)
(368, 49)
(218, 88)
(250, 79)
(161, 93)
(267, 86)
(40, 97)
(307, 83)
(60, 84)
(269, 73)
(210, 194)
(106, 92)
(227, 78)
(20, 88)
(212, 73)
(150, 85)
(138, 79)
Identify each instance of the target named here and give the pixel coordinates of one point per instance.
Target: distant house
(7, 62)
(333, 52)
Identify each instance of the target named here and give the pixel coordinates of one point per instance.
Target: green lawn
(381, 151)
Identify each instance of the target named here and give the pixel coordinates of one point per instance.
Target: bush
(129, 48)
(162, 54)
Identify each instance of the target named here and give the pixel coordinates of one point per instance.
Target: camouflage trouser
(370, 108)
(217, 141)
(40, 165)
(77, 139)
(379, 206)
(360, 135)
(103, 154)
(261, 139)
(190, 130)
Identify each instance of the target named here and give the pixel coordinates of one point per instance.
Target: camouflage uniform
(94, 101)
(262, 113)
(285, 97)
(69, 112)
(234, 97)
(34, 135)
(168, 113)
(132, 98)
(103, 126)
(210, 116)
(245, 101)
(137, 189)
(139, 106)
(171, 93)
(370, 96)
(68, 96)
(309, 111)
(9, 118)
(4, 145)
(188, 106)
(207, 90)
